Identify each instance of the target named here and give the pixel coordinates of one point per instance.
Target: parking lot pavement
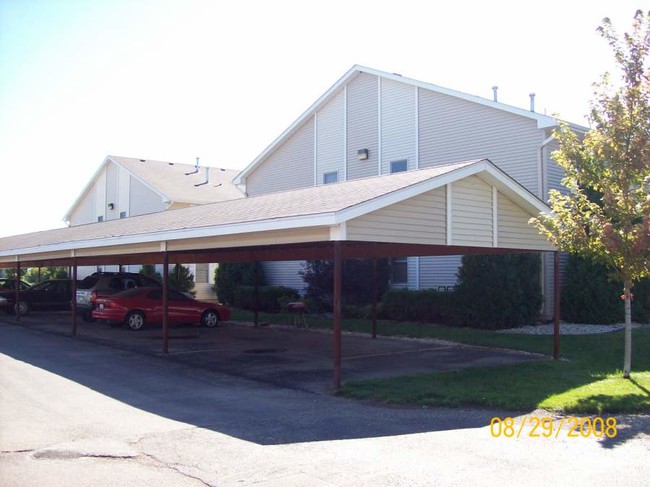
(290, 357)
(81, 414)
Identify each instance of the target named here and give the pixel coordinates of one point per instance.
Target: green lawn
(587, 380)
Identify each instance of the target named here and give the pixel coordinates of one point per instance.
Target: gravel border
(569, 329)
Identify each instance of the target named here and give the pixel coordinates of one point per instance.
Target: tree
(228, 276)
(605, 214)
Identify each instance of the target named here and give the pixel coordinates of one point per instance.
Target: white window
(330, 177)
(399, 166)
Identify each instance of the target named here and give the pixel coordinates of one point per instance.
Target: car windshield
(88, 282)
(42, 285)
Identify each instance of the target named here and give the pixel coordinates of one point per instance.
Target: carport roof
(325, 205)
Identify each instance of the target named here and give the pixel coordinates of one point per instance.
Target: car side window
(129, 284)
(115, 283)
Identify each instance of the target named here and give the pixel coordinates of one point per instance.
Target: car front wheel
(23, 308)
(135, 320)
(210, 318)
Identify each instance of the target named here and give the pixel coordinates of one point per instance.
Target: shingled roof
(321, 205)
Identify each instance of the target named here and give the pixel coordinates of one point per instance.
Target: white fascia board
(86, 188)
(241, 177)
(411, 191)
(307, 221)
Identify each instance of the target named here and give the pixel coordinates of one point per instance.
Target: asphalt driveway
(294, 358)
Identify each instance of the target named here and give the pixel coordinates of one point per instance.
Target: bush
(272, 299)
(427, 305)
(356, 281)
(588, 296)
(498, 291)
(230, 275)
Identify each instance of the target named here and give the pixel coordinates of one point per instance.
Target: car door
(181, 308)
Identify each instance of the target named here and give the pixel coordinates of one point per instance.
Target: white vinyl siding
(362, 133)
(419, 220)
(285, 274)
(451, 129)
(290, 166)
(554, 173)
(472, 213)
(397, 124)
(112, 192)
(330, 137)
(439, 271)
(143, 200)
(85, 210)
(124, 180)
(514, 230)
(100, 196)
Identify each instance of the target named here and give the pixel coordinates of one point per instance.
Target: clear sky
(176, 79)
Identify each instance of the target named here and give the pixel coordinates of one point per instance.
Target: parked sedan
(8, 285)
(135, 307)
(47, 295)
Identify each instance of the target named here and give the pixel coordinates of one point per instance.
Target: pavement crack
(9, 452)
(177, 467)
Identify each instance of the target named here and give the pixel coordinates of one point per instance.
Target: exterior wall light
(111, 206)
(362, 154)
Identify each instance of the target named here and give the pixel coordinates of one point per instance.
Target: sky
(173, 80)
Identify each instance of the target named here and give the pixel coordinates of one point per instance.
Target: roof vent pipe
(495, 88)
(197, 162)
(207, 177)
(532, 102)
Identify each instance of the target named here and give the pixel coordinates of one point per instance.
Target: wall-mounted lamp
(362, 154)
(111, 206)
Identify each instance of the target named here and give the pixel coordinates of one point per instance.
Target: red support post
(17, 300)
(165, 304)
(338, 272)
(374, 298)
(73, 302)
(556, 305)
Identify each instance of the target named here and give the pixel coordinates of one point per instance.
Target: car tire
(22, 307)
(135, 320)
(210, 318)
(87, 316)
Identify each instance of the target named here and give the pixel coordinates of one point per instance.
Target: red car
(141, 305)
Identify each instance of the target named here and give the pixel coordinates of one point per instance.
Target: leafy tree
(181, 279)
(611, 162)
(33, 276)
(149, 270)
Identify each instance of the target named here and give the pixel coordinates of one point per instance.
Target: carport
(470, 207)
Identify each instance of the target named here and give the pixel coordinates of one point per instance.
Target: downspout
(543, 195)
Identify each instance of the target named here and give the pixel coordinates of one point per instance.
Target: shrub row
(427, 305)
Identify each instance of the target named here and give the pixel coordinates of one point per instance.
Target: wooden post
(338, 271)
(374, 298)
(556, 305)
(73, 302)
(165, 295)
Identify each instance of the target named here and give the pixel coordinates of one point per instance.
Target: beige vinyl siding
(330, 138)
(451, 129)
(143, 200)
(514, 230)
(85, 210)
(419, 220)
(285, 274)
(439, 271)
(472, 213)
(362, 126)
(112, 192)
(290, 166)
(397, 124)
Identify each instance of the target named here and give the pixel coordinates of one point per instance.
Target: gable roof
(324, 205)
(174, 182)
(543, 121)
